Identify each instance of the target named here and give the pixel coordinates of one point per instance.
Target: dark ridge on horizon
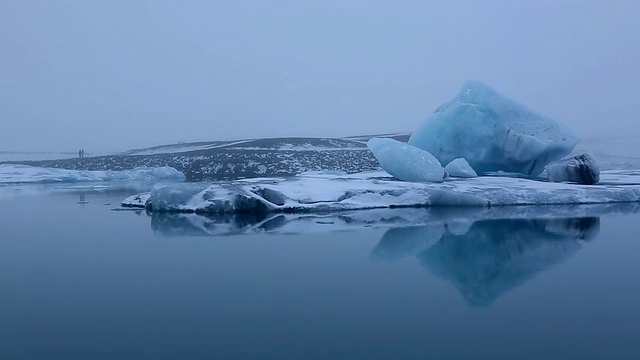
(226, 160)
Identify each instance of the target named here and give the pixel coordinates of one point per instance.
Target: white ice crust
(136, 201)
(17, 174)
(325, 192)
(406, 162)
(493, 133)
(460, 168)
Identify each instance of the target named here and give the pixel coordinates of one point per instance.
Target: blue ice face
(493, 133)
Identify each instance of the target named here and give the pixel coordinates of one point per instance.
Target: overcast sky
(113, 75)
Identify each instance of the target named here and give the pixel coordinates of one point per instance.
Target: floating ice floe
(493, 133)
(136, 201)
(16, 174)
(317, 193)
(406, 162)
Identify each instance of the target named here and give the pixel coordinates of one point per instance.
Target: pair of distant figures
(81, 153)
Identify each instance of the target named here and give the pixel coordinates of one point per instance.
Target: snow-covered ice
(493, 133)
(136, 201)
(460, 168)
(406, 162)
(325, 192)
(178, 148)
(16, 174)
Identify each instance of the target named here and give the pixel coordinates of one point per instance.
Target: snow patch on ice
(136, 201)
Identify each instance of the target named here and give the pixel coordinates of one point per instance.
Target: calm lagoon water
(81, 281)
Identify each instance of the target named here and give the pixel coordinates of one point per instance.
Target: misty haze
(319, 179)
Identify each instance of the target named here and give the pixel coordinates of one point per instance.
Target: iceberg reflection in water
(433, 223)
(490, 257)
(483, 252)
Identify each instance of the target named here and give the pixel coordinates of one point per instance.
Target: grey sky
(112, 75)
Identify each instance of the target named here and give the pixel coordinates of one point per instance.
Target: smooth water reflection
(83, 281)
(483, 259)
(453, 219)
(487, 258)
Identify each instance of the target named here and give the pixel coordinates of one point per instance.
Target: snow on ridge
(179, 148)
(306, 147)
(277, 144)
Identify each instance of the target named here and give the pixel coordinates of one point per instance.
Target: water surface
(80, 280)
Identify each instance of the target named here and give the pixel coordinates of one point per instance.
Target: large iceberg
(493, 133)
(17, 174)
(406, 162)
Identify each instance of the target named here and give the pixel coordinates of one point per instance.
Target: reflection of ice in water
(415, 228)
(493, 256)
(484, 252)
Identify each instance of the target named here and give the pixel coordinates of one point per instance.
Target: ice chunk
(175, 198)
(582, 169)
(406, 162)
(493, 133)
(15, 174)
(460, 168)
(136, 201)
(215, 199)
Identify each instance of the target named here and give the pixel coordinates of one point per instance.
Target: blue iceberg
(493, 133)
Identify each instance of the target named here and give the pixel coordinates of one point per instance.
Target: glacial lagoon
(82, 280)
